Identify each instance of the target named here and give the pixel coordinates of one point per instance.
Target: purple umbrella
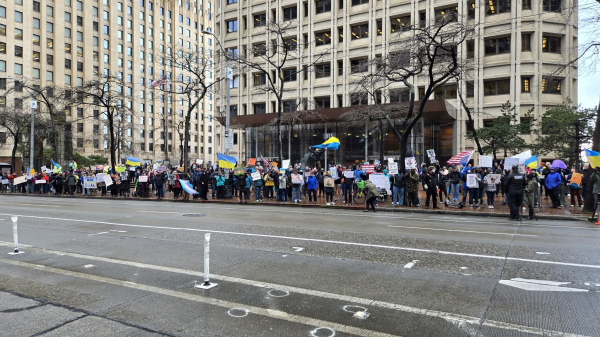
(559, 163)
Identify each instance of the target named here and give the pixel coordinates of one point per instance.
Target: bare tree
(275, 62)
(109, 94)
(15, 122)
(191, 82)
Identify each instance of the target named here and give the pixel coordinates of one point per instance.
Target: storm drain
(194, 215)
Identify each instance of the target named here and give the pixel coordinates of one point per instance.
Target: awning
(433, 109)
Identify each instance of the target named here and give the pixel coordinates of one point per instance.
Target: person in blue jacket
(312, 184)
(553, 181)
(248, 185)
(220, 185)
(258, 185)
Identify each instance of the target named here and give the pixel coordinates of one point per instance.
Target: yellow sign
(31, 171)
(120, 169)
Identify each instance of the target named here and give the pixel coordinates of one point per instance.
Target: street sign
(33, 104)
(229, 72)
(229, 142)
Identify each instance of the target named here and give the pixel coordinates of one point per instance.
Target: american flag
(461, 158)
(264, 160)
(158, 82)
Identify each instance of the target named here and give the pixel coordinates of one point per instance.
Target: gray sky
(588, 83)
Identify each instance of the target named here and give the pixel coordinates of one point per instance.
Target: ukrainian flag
(57, 168)
(531, 162)
(593, 158)
(132, 161)
(330, 144)
(226, 161)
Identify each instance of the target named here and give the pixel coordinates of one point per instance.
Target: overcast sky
(588, 83)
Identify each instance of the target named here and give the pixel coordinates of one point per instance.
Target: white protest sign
(472, 181)
(107, 180)
(410, 163)
(333, 172)
(89, 182)
(431, 153)
(522, 168)
(44, 169)
(143, 179)
(40, 181)
(285, 163)
(4, 181)
(349, 174)
(485, 161)
(255, 176)
(19, 180)
(381, 181)
(393, 168)
(510, 162)
(100, 177)
(199, 161)
(132, 168)
(495, 178)
(390, 160)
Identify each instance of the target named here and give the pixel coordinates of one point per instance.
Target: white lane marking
(231, 306)
(542, 253)
(314, 332)
(451, 317)
(114, 230)
(297, 249)
(457, 230)
(278, 293)
(411, 264)
(158, 212)
(45, 205)
(98, 233)
(231, 311)
(359, 244)
(463, 268)
(12, 243)
(87, 266)
(540, 285)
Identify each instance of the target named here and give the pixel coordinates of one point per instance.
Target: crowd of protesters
(448, 184)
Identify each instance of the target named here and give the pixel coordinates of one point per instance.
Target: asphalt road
(129, 268)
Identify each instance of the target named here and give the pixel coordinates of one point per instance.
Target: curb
(385, 209)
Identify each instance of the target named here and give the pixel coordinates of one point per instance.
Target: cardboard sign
(493, 178)
(120, 169)
(89, 182)
(486, 161)
(510, 162)
(285, 163)
(390, 160)
(472, 181)
(20, 180)
(107, 180)
(199, 161)
(4, 181)
(143, 179)
(431, 153)
(381, 181)
(297, 179)
(100, 177)
(132, 168)
(333, 172)
(274, 164)
(255, 176)
(576, 180)
(349, 174)
(251, 161)
(31, 171)
(40, 181)
(393, 168)
(410, 163)
(44, 169)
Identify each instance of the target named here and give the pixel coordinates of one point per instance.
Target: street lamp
(228, 77)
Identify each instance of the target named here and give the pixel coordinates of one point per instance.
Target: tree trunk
(13, 156)
(380, 142)
(279, 138)
(113, 152)
(596, 134)
(186, 138)
(470, 121)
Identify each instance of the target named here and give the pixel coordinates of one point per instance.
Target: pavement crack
(23, 309)
(59, 326)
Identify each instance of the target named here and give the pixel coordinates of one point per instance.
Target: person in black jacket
(514, 185)
(454, 177)
(441, 179)
(430, 183)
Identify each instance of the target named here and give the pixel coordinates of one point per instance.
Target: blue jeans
(282, 194)
(160, 191)
(30, 186)
(398, 195)
(455, 194)
(348, 194)
(257, 190)
(296, 192)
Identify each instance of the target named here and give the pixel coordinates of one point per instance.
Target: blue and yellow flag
(531, 162)
(226, 161)
(57, 168)
(132, 161)
(593, 158)
(330, 144)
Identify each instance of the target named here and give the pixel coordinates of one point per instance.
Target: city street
(129, 268)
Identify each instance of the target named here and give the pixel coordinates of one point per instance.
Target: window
(67, 48)
(322, 38)
(36, 56)
(526, 4)
(80, 140)
(260, 108)
(36, 23)
(79, 20)
(232, 26)
(358, 65)
(496, 87)
(2, 48)
(79, 127)
(551, 5)
(79, 66)
(18, 16)
(79, 36)
(497, 6)
(2, 12)
(3, 30)
(229, 2)
(50, 11)
(447, 14)
(360, 31)
(259, 49)
(551, 85)
(323, 6)
(18, 69)
(323, 102)
(497, 46)
(49, 43)
(260, 20)
(36, 73)
(289, 75)
(525, 42)
(526, 84)
(290, 13)
(49, 60)
(399, 95)
(359, 2)
(470, 49)
(323, 70)
(80, 51)
(447, 91)
(68, 32)
(18, 51)
(400, 24)
(260, 79)
(359, 99)
(471, 10)
(18, 34)
(67, 17)
(36, 6)
(551, 44)
(49, 76)
(67, 64)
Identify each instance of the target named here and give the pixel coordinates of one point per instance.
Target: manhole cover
(194, 215)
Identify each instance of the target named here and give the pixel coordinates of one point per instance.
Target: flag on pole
(185, 184)
(593, 158)
(330, 144)
(158, 82)
(132, 161)
(531, 162)
(57, 168)
(264, 160)
(461, 158)
(226, 161)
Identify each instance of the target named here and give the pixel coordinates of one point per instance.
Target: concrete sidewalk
(544, 212)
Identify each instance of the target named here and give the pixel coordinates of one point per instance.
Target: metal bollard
(15, 237)
(206, 284)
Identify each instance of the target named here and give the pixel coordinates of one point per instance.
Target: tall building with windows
(516, 50)
(68, 42)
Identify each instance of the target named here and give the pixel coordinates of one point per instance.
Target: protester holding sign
(575, 187)
(412, 178)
